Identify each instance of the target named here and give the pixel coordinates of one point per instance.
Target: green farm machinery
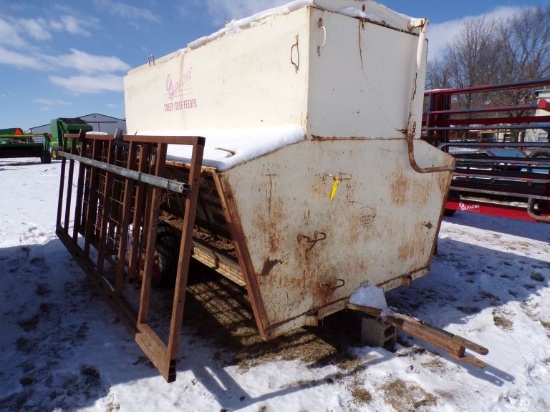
(16, 143)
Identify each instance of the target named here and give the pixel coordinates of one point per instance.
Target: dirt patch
(360, 395)
(406, 396)
(503, 319)
(218, 311)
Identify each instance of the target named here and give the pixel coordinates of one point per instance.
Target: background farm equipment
(65, 125)
(502, 152)
(16, 143)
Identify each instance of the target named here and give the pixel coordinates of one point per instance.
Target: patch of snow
(364, 9)
(225, 148)
(372, 296)
(62, 348)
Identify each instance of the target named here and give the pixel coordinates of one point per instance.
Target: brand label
(179, 93)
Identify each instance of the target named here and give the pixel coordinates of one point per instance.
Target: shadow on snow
(62, 346)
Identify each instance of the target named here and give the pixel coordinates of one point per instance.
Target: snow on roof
(364, 9)
(225, 148)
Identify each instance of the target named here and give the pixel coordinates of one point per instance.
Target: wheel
(449, 212)
(539, 153)
(166, 256)
(46, 157)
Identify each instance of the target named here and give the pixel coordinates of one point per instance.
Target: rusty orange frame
(102, 221)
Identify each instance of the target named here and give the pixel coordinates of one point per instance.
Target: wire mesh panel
(108, 211)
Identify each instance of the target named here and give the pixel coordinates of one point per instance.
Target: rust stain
(413, 247)
(269, 264)
(399, 188)
(270, 215)
(412, 191)
(275, 217)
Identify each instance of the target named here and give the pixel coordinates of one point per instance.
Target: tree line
(496, 51)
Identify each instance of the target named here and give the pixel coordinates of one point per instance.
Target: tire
(449, 212)
(46, 157)
(166, 256)
(538, 153)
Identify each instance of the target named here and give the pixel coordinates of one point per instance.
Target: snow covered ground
(62, 348)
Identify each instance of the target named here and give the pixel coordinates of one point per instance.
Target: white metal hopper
(310, 114)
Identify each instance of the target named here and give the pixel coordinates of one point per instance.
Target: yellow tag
(334, 188)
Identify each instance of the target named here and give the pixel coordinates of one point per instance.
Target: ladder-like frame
(108, 221)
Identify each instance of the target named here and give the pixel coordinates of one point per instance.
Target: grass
(434, 365)
(360, 395)
(501, 320)
(219, 312)
(406, 396)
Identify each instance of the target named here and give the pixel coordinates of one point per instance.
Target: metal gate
(109, 203)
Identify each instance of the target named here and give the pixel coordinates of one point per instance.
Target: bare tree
(526, 53)
(495, 51)
(527, 45)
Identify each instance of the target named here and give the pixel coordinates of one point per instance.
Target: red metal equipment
(502, 164)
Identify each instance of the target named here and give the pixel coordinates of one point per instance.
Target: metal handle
(410, 131)
(322, 27)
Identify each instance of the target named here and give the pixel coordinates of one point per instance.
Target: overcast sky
(65, 59)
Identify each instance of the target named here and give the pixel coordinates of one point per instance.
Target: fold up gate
(109, 203)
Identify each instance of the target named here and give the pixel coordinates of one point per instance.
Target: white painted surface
(353, 86)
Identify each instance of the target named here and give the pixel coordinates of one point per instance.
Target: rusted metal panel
(307, 251)
(358, 200)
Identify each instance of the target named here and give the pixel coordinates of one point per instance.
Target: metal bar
(494, 144)
(185, 249)
(491, 87)
(91, 209)
(137, 237)
(536, 121)
(474, 127)
(476, 174)
(152, 213)
(157, 181)
(79, 190)
(124, 227)
(61, 192)
(501, 193)
(186, 140)
(488, 109)
(69, 193)
(106, 206)
(243, 255)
